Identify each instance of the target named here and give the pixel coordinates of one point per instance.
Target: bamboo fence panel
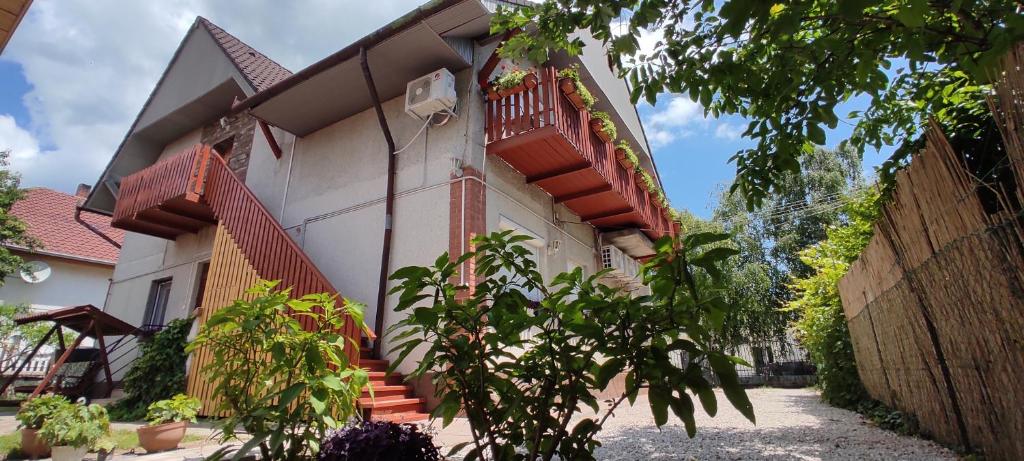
(935, 301)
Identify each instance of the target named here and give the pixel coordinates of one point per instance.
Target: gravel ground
(791, 424)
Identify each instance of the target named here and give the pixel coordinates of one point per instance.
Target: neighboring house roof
(50, 217)
(11, 13)
(256, 67)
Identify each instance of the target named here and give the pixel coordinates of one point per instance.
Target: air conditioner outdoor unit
(430, 94)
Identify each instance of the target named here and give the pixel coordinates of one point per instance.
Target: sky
(77, 72)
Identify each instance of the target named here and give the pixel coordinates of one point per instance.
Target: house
(237, 168)
(75, 256)
(11, 14)
(72, 263)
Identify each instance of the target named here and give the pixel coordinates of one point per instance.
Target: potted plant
(512, 82)
(30, 418)
(168, 420)
(74, 429)
(625, 156)
(602, 125)
(573, 88)
(379, 441)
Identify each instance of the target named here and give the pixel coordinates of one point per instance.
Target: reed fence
(935, 303)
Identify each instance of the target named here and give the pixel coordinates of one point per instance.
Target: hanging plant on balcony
(511, 82)
(573, 88)
(603, 126)
(625, 156)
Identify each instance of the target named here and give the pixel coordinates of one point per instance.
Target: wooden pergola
(89, 322)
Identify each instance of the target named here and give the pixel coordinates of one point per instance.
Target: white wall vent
(430, 94)
(623, 266)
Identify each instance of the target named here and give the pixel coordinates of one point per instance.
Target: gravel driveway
(791, 424)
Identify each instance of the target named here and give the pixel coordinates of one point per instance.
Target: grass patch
(126, 439)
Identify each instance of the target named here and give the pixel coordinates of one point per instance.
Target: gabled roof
(260, 71)
(50, 217)
(253, 72)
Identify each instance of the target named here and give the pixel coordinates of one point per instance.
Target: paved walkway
(791, 424)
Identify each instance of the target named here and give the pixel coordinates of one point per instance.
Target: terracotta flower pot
(492, 95)
(530, 81)
(32, 445)
(597, 125)
(620, 156)
(66, 453)
(568, 87)
(161, 437)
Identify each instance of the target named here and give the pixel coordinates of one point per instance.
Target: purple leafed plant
(379, 441)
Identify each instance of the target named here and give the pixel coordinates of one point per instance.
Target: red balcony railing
(540, 133)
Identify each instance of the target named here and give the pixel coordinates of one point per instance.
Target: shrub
(157, 374)
(606, 123)
(285, 385)
(379, 441)
(573, 72)
(584, 333)
(34, 412)
(821, 327)
(178, 408)
(76, 425)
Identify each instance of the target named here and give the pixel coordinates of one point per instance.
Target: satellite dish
(35, 272)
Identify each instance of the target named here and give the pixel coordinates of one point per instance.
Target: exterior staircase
(392, 400)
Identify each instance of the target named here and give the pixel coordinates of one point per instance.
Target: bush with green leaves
(821, 327)
(157, 374)
(179, 408)
(573, 73)
(76, 425)
(524, 371)
(34, 412)
(283, 384)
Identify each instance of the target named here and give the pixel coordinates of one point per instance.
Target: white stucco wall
(71, 283)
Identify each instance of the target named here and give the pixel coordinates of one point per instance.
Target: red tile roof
(257, 68)
(50, 217)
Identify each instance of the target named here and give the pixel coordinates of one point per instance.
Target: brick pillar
(233, 133)
(459, 237)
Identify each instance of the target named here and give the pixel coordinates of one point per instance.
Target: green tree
(523, 371)
(912, 59)
(13, 232)
(769, 242)
(821, 327)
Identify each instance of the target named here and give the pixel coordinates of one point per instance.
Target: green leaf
(659, 398)
(608, 370)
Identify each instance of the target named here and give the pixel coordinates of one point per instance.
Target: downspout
(78, 217)
(389, 207)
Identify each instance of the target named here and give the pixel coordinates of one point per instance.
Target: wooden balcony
(163, 200)
(541, 134)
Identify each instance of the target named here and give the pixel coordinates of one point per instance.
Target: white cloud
(92, 63)
(728, 131)
(678, 118)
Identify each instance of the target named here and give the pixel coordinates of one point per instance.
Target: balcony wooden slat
(540, 134)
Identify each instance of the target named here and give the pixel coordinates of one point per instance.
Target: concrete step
(374, 364)
(407, 417)
(380, 378)
(383, 407)
(389, 392)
